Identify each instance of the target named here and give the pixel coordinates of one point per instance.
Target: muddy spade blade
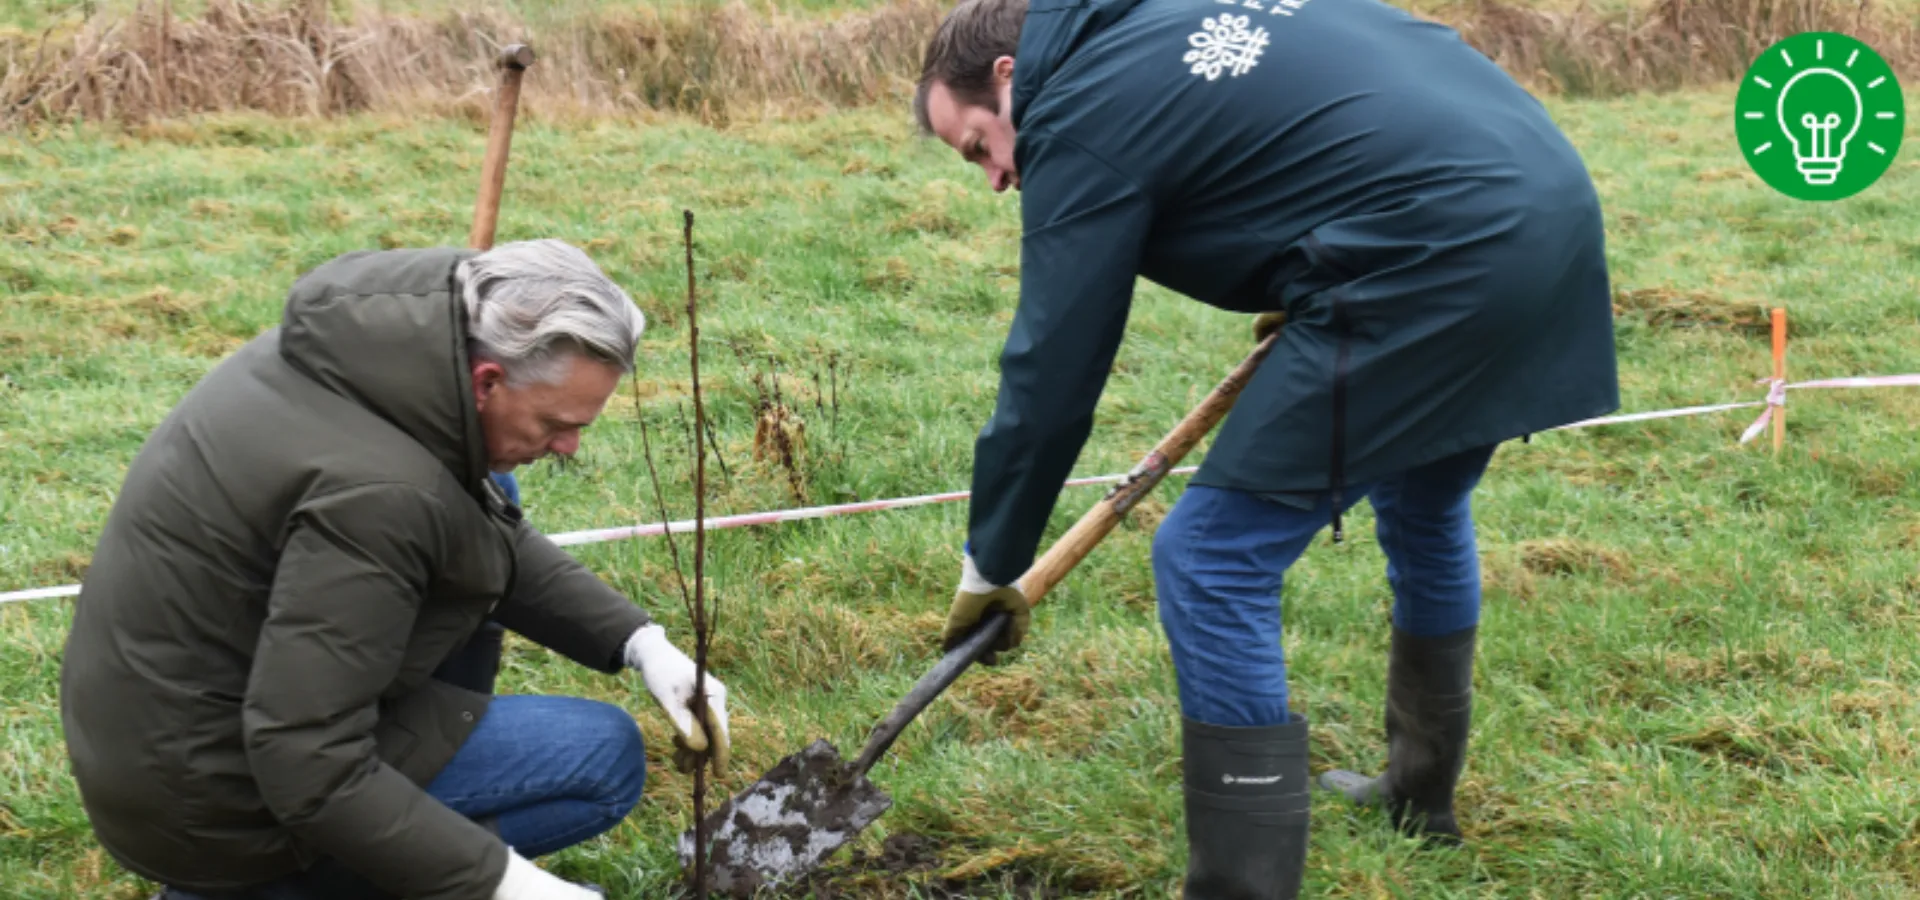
(783, 826)
(813, 802)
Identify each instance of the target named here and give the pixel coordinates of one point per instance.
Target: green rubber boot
(1247, 806)
(1429, 712)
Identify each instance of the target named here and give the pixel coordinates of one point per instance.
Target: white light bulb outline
(1819, 174)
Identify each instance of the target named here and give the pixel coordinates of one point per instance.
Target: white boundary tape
(685, 526)
(1776, 398)
(47, 593)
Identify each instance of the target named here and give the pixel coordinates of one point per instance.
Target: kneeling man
(279, 680)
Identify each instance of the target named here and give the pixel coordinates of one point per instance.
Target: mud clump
(787, 823)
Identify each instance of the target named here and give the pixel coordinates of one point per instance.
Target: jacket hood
(1053, 31)
(384, 329)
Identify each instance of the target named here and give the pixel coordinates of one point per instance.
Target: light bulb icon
(1819, 116)
(1825, 102)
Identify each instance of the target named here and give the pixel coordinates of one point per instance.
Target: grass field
(1698, 675)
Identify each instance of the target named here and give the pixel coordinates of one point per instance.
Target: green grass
(1698, 668)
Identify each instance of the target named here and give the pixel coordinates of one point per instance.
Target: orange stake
(1779, 374)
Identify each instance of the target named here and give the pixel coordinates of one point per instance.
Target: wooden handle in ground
(1087, 533)
(514, 60)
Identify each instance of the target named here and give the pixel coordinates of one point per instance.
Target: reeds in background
(719, 61)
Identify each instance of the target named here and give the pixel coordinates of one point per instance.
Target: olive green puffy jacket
(296, 548)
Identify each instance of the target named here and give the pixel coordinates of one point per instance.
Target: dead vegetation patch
(1869, 479)
(892, 275)
(1053, 704)
(720, 62)
(932, 212)
(63, 568)
(1588, 49)
(1768, 746)
(1682, 670)
(1571, 556)
(1002, 695)
(1727, 739)
(1659, 680)
(298, 59)
(54, 324)
(1664, 307)
(1884, 702)
(906, 865)
(162, 305)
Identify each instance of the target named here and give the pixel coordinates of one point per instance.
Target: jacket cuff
(971, 581)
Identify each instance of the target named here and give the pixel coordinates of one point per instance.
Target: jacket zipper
(1336, 468)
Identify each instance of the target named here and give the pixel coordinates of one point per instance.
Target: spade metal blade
(814, 802)
(783, 826)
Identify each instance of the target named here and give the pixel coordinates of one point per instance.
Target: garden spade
(814, 802)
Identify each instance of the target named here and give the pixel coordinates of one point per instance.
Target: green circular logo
(1819, 116)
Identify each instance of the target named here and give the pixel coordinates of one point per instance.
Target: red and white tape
(1776, 399)
(685, 526)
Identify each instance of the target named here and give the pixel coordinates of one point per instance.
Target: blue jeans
(1220, 557)
(549, 772)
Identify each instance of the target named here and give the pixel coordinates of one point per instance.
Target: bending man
(1434, 246)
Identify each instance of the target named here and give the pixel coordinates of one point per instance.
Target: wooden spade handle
(1085, 534)
(514, 60)
(1067, 552)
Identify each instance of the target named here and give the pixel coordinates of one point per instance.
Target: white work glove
(526, 881)
(668, 674)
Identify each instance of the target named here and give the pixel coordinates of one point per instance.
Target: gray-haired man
(279, 680)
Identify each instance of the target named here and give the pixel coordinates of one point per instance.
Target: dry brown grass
(291, 59)
(720, 62)
(1669, 308)
(1664, 44)
(1744, 666)
(1570, 556)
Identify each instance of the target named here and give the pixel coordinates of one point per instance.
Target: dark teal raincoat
(1434, 239)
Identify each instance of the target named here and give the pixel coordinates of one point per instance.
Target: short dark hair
(962, 52)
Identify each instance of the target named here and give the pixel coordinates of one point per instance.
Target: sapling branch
(673, 548)
(702, 635)
(714, 440)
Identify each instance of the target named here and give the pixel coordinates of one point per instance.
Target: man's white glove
(668, 674)
(526, 881)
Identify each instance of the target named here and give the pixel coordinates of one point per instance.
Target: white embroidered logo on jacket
(1225, 44)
